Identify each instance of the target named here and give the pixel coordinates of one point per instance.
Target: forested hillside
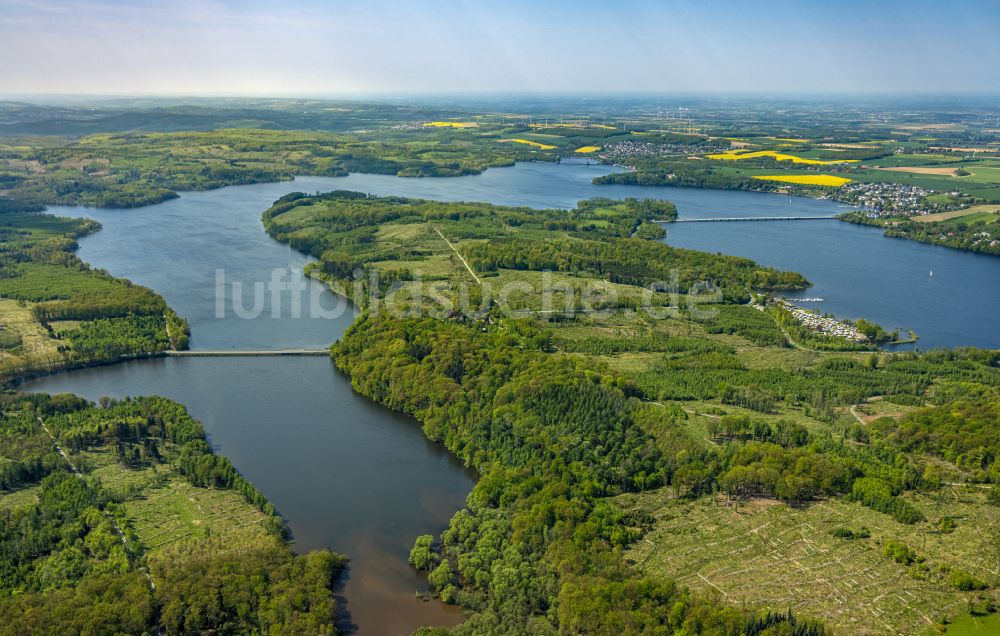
(133, 169)
(539, 545)
(56, 311)
(140, 528)
(580, 421)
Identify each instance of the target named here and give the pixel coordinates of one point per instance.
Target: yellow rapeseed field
(733, 156)
(808, 179)
(588, 148)
(451, 124)
(531, 143)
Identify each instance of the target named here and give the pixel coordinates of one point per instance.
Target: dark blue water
(861, 274)
(181, 247)
(344, 472)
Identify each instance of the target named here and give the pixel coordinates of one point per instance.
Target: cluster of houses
(626, 149)
(823, 324)
(982, 241)
(885, 199)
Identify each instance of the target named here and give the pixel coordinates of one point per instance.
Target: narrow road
(76, 471)
(791, 340)
(857, 416)
(462, 258)
(170, 338)
(712, 584)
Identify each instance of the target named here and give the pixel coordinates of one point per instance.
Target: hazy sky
(326, 48)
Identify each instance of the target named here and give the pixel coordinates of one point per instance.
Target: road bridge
(726, 219)
(209, 353)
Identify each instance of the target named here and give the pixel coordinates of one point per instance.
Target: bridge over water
(207, 353)
(726, 219)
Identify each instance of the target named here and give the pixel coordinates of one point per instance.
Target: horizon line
(338, 95)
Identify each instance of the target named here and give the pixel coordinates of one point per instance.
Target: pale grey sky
(309, 48)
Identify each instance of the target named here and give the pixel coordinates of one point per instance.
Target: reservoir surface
(352, 476)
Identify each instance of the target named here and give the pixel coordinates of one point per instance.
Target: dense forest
(633, 262)
(79, 314)
(133, 169)
(553, 438)
(538, 545)
(73, 558)
(565, 416)
(540, 407)
(597, 238)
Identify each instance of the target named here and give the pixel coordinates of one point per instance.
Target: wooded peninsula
(662, 446)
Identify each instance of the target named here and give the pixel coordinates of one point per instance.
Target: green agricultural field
(985, 172)
(973, 218)
(982, 212)
(922, 159)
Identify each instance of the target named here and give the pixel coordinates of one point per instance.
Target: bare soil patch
(921, 170)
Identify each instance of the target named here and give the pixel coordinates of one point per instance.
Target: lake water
(344, 472)
(177, 248)
(354, 477)
(855, 270)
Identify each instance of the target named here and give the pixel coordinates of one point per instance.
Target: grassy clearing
(163, 507)
(876, 408)
(16, 318)
(968, 625)
(434, 267)
(178, 510)
(21, 498)
(402, 232)
(848, 583)
(523, 289)
(755, 357)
